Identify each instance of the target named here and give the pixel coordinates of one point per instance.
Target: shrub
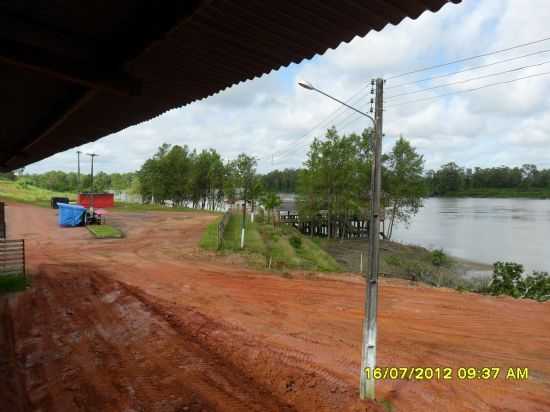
(296, 242)
(508, 280)
(393, 260)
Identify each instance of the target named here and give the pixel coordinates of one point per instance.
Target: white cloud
(270, 117)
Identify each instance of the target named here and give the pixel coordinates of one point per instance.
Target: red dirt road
(150, 323)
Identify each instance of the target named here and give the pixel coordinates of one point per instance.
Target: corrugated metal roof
(72, 74)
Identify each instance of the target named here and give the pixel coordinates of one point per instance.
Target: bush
(296, 242)
(508, 280)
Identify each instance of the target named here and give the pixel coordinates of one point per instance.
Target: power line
(469, 90)
(468, 80)
(327, 122)
(323, 123)
(465, 59)
(426, 79)
(358, 96)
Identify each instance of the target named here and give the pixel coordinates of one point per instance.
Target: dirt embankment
(149, 323)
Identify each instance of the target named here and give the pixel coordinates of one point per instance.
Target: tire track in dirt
(84, 342)
(289, 374)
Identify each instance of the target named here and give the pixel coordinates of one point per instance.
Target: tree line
(453, 179)
(69, 182)
(198, 179)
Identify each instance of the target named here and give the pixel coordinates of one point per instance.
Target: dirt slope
(149, 323)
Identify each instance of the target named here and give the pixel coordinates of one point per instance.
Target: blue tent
(71, 215)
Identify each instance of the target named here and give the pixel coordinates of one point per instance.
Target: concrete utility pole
(92, 155)
(78, 171)
(368, 358)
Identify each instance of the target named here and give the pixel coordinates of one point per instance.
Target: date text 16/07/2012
(446, 373)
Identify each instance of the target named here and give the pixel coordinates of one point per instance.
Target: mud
(151, 323)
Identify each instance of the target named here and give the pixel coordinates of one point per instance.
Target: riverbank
(493, 193)
(404, 261)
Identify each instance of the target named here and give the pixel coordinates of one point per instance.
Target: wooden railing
(12, 257)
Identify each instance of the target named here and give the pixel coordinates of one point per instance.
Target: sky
(274, 120)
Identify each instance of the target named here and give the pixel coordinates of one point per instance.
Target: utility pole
(92, 155)
(78, 171)
(243, 223)
(368, 356)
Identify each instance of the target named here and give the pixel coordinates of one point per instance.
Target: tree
(335, 179)
(244, 168)
(403, 183)
(271, 201)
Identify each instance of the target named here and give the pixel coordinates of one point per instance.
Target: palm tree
(271, 201)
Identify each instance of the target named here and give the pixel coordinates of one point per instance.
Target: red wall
(101, 200)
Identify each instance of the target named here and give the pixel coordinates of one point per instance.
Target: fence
(12, 257)
(221, 228)
(2, 221)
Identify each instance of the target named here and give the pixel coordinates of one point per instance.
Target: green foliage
(503, 181)
(265, 243)
(201, 179)
(336, 178)
(68, 182)
(336, 175)
(281, 181)
(508, 280)
(270, 201)
(209, 239)
(403, 183)
(22, 191)
(296, 242)
(440, 258)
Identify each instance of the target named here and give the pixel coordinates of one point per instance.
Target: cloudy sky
(274, 120)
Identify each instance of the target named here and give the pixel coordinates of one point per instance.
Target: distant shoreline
(498, 194)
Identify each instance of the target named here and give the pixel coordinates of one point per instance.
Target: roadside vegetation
(279, 247)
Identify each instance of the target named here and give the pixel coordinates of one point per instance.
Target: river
(483, 230)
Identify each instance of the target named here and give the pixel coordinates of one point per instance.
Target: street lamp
(368, 353)
(309, 86)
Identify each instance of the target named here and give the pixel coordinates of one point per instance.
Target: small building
(97, 200)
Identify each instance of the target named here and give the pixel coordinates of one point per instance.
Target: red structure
(100, 200)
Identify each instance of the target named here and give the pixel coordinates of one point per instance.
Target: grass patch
(209, 239)
(22, 192)
(407, 262)
(283, 245)
(104, 231)
(12, 283)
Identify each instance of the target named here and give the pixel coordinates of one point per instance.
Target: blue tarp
(71, 215)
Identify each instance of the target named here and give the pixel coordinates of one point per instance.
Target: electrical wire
(427, 79)
(469, 90)
(326, 122)
(468, 80)
(283, 154)
(465, 59)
